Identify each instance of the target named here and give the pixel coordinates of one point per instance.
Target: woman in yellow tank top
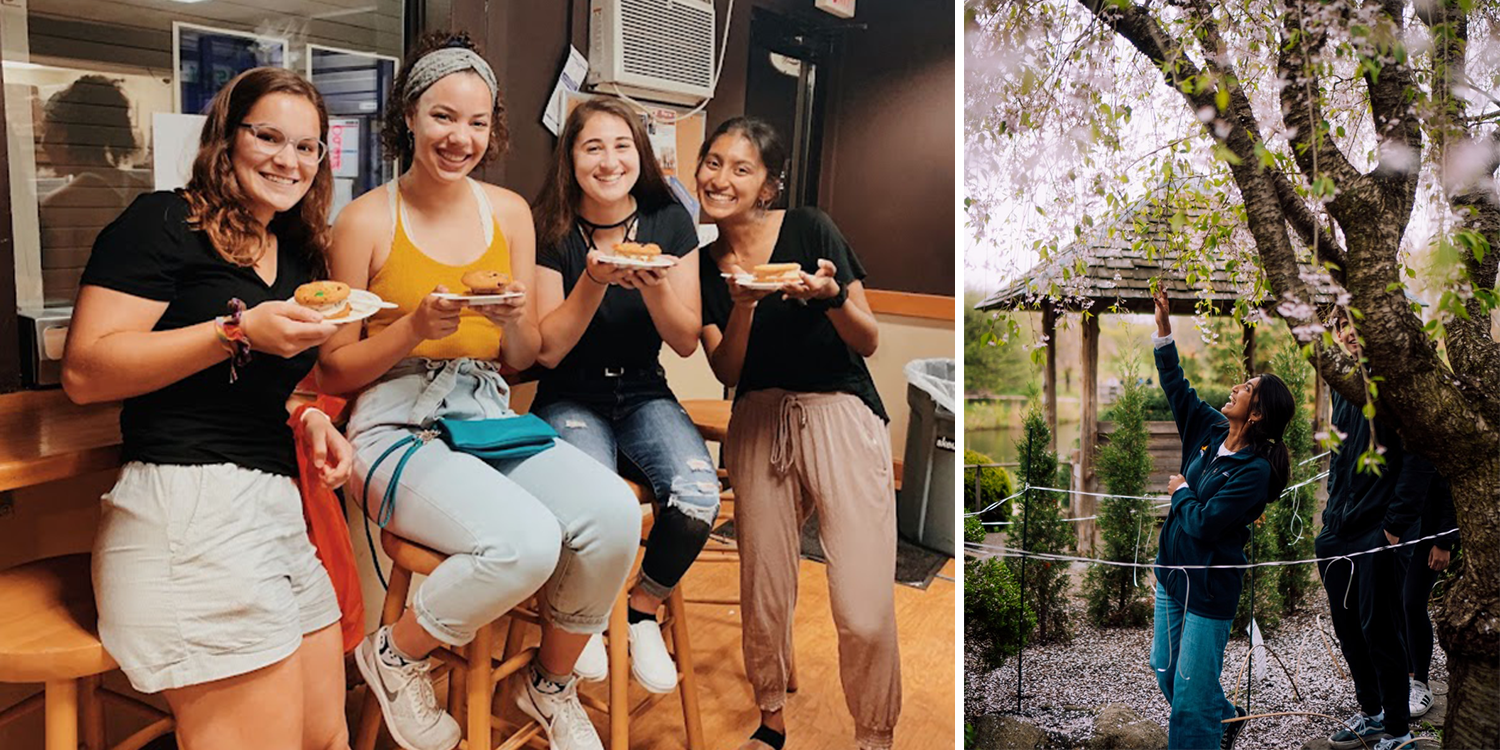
(557, 520)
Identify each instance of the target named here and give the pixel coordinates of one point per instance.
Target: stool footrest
(512, 665)
(26, 706)
(147, 734)
(132, 703)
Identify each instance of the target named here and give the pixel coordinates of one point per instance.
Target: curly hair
(396, 137)
(557, 203)
(217, 203)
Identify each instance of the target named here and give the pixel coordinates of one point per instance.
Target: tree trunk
(1468, 623)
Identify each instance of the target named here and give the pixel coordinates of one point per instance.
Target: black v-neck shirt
(621, 333)
(795, 346)
(151, 252)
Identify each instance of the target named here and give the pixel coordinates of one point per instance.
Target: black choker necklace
(586, 228)
(592, 227)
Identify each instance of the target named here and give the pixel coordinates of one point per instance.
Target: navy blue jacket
(1360, 502)
(1209, 522)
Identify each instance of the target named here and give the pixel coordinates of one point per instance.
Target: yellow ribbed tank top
(409, 275)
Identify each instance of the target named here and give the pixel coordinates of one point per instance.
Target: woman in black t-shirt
(603, 325)
(207, 586)
(808, 431)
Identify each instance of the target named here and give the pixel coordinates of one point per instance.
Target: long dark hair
(767, 142)
(395, 136)
(216, 200)
(1274, 402)
(557, 204)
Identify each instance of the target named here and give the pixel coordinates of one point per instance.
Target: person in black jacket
(1428, 559)
(1367, 511)
(1233, 463)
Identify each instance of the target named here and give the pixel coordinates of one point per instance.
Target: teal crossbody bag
(489, 439)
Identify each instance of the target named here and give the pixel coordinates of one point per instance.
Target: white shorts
(205, 572)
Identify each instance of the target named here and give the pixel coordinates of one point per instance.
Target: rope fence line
(1023, 490)
(994, 551)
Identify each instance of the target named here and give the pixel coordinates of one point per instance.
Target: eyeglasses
(269, 141)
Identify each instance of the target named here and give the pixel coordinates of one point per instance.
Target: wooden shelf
(45, 437)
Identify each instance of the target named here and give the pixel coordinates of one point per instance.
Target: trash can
(925, 506)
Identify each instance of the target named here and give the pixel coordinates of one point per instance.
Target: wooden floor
(816, 715)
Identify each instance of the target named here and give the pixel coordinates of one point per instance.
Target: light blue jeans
(656, 437)
(556, 519)
(1187, 655)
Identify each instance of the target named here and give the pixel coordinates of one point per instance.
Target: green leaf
(1221, 99)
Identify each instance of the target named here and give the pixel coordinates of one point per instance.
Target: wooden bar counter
(45, 437)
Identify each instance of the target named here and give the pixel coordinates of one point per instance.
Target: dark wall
(887, 175)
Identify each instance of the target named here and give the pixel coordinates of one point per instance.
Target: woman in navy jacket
(1233, 464)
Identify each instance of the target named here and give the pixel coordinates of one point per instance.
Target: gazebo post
(1049, 378)
(1088, 430)
(1321, 406)
(1248, 336)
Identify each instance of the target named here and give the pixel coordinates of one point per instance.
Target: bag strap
(412, 443)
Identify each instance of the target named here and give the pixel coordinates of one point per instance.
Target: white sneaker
(1420, 700)
(649, 661)
(561, 715)
(593, 662)
(406, 698)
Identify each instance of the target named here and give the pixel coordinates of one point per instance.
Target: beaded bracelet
(232, 337)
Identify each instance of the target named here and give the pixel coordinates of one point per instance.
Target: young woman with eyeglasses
(207, 586)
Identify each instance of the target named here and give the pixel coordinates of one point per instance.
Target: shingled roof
(1111, 267)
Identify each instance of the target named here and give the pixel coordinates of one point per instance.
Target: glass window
(84, 79)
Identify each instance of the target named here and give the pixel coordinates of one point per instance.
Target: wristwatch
(831, 303)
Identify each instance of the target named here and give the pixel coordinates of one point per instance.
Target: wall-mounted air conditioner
(660, 50)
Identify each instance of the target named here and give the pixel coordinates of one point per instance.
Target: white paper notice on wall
(570, 79)
(174, 143)
(840, 8)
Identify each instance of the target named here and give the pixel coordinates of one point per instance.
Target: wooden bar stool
(49, 634)
(679, 644)
(474, 676)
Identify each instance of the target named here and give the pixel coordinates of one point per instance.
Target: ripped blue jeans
(655, 437)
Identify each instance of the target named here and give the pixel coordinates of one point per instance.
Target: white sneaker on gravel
(1420, 700)
(561, 715)
(650, 662)
(593, 662)
(406, 698)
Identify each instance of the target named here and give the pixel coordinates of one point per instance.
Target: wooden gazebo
(1110, 271)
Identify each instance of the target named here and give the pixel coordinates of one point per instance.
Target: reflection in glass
(88, 139)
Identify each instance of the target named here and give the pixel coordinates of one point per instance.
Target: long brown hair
(396, 137)
(557, 204)
(217, 203)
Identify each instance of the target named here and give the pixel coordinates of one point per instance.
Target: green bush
(995, 483)
(1121, 596)
(993, 612)
(1041, 528)
(973, 530)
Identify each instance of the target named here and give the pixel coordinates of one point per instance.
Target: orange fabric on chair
(327, 528)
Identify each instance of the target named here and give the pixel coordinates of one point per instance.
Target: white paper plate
(661, 261)
(362, 304)
(748, 281)
(479, 299)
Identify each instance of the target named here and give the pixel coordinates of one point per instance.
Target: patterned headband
(437, 64)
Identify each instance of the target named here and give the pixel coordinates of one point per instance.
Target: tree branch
(1396, 122)
(1303, 36)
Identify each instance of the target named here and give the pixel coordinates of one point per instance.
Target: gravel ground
(1065, 684)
